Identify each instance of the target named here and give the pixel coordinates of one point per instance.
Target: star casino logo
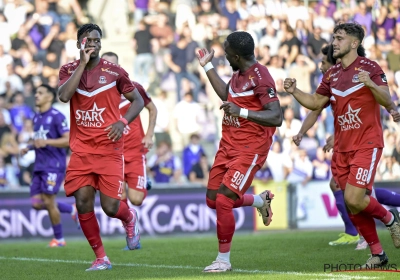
(90, 118)
(350, 120)
(109, 71)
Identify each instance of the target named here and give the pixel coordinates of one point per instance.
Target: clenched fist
(289, 85)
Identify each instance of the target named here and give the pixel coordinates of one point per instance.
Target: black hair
(110, 54)
(328, 51)
(352, 29)
(89, 27)
(49, 89)
(241, 43)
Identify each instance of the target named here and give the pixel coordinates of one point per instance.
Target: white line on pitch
(334, 275)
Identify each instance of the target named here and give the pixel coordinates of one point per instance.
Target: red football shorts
(102, 172)
(235, 170)
(357, 168)
(333, 167)
(135, 173)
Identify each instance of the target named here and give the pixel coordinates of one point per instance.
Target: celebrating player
(350, 236)
(252, 112)
(357, 86)
(94, 87)
(137, 144)
(51, 137)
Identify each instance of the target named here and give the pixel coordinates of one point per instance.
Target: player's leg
(111, 179)
(124, 196)
(364, 208)
(387, 197)
(350, 236)
(49, 201)
(135, 177)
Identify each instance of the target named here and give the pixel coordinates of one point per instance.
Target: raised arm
(217, 83)
(309, 122)
(310, 101)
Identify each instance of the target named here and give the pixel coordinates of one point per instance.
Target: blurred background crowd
(157, 41)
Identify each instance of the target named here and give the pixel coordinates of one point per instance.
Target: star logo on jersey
(107, 70)
(90, 118)
(231, 121)
(350, 120)
(41, 133)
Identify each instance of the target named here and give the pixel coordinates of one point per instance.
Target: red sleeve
(143, 93)
(377, 75)
(63, 75)
(266, 94)
(324, 87)
(124, 84)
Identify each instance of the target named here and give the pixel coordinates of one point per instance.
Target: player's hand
(85, 52)
(24, 151)
(329, 144)
(230, 109)
(395, 115)
(115, 131)
(297, 138)
(204, 56)
(148, 142)
(364, 78)
(39, 143)
(289, 85)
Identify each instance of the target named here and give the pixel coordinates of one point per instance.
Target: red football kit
(358, 129)
(96, 160)
(244, 145)
(134, 150)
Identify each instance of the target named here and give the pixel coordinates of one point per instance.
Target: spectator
(321, 166)
(191, 154)
(301, 71)
(200, 171)
(19, 111)
(231, 13)
(264, 174)
(302, 169)
(164, 166)
(364, 17)
(279, 163)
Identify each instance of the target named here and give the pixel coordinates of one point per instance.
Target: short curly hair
(351, 28)
(89, 27)
(241, 43)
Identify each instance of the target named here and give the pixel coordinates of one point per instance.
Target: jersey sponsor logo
(64, 123)
(355, 79)
(231, 121)
(41, 133)
(251, 79)
(245, 86)
(258, 73)
(383, 77)
(361, 70)
(332, 75)
(102, 80)
(109, 71)
(350, 120)
(335, 79)
(271, 92)
(90, 118)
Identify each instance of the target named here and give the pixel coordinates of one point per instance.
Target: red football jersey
(250, 90)
(357, 114)
(134, 132)
(95, 106)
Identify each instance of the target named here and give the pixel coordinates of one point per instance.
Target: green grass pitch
(266, 255)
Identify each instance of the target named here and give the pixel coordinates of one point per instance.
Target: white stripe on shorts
(248, 172)
(371, 168)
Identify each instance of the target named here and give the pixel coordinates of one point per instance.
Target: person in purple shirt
(191, 154)
(51, 137)
(19, 111)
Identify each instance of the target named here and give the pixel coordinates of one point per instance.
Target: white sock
(60, 240)
(391, 220)
(258, 201)
(224, 257)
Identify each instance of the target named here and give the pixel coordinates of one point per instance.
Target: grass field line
(157, 266)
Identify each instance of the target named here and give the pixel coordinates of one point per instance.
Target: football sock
(225, 222)
(124, 214)
(210, 203)
(249, 200)
(91, 230)
(57, 229)
(377, 211)
(367, 227)
(65, 207)
(224, 257)
(348, 225)
(387, 197)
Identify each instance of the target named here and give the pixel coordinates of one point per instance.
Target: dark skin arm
(116, 130)
(270, 116)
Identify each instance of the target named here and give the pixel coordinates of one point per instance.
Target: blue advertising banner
(163, 212)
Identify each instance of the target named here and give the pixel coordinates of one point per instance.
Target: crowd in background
(39, 36)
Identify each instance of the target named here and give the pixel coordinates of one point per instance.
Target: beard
(234, 68)
(341, 54)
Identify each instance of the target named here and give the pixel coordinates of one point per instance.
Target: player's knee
(227, 192)
(37, 205)
(84, 205)
(334, 187)
(111, 209)
(136, 201)
(352, 202)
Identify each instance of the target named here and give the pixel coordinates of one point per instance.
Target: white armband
(244, 113)
(208, 66)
